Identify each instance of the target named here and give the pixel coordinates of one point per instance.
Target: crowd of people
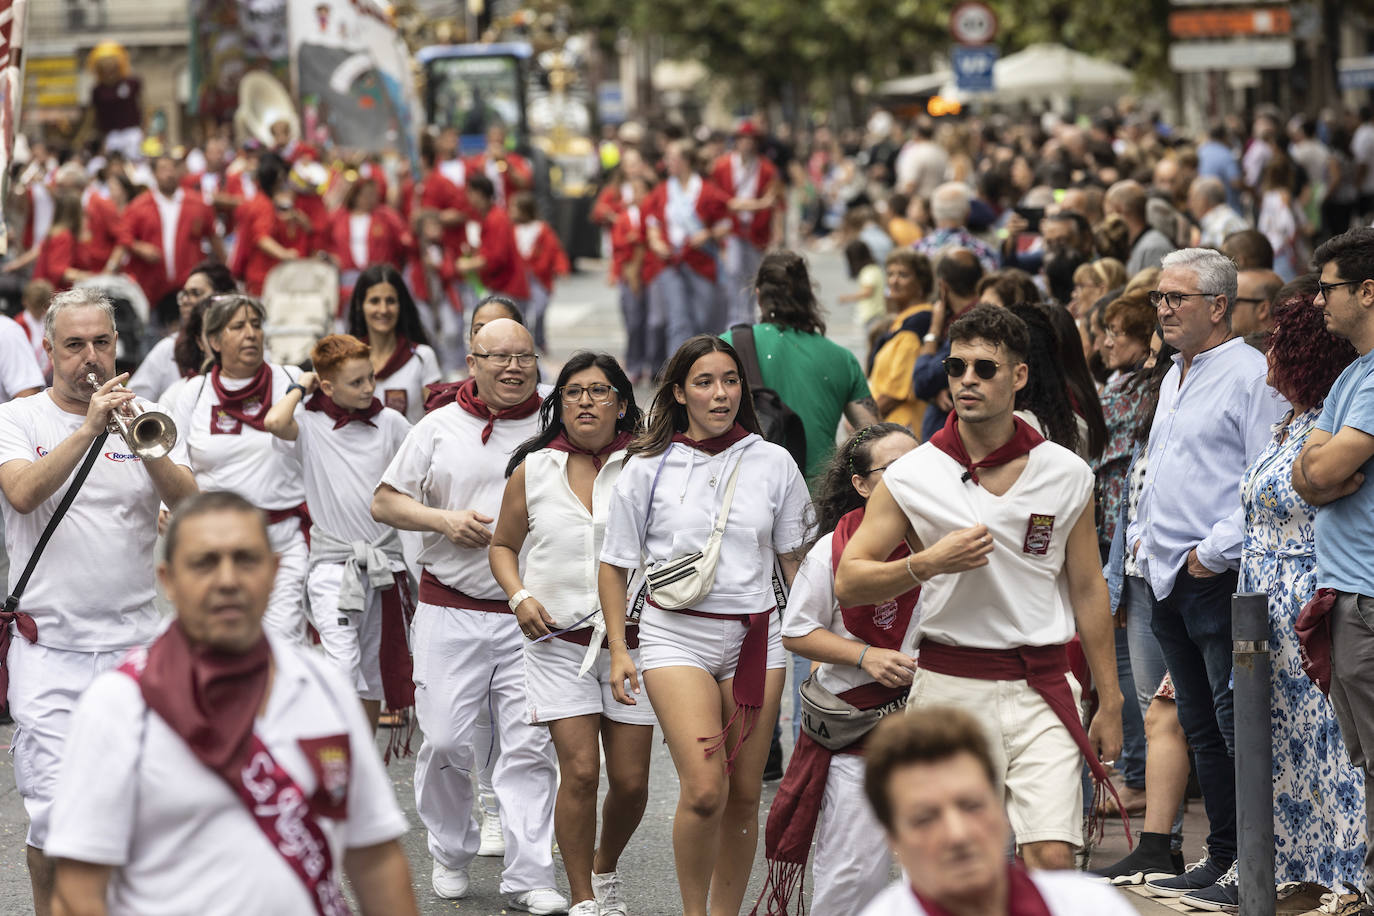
(1108, 379)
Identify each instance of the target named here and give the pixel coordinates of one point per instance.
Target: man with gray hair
(1214, 417)
(1215, 218)
(90, 597)
(949, 208)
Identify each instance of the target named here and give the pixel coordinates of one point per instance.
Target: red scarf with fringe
(397, 667)
(883, 625)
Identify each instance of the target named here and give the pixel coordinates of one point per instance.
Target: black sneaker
(1201, 875)
(1222, 897)
(1141, 866)
(772, 770)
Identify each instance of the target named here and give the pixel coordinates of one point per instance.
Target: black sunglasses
(956, 366)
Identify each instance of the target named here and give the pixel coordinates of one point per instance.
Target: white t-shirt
(443, 464)
(1021, 597)
(404, 389)
(229, 455)
(1067, 894)
(811, 606)
(132, 795)
(341, 468)
(158, 370)
(19, 370)
(767, 517)
(168, 214)
(92, 590)
(358, 226)
(1362, 149)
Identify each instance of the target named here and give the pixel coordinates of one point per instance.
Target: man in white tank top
(1001, 526)
(446, 482)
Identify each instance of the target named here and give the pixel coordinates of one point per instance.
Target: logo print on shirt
(121, 457)
(40, 450)
(396, 398)
(222, 423)
(330, 760)
(885, 614)
(1039, 530)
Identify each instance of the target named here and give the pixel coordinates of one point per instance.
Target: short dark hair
(1011, 285)
(1305, 356)
(961, 270)
(482, 185)
(1250, 249)
(204, 504)
(996, 326)
(1352, 251)
(936, 734)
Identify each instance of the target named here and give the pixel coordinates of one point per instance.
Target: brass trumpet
(150, 434)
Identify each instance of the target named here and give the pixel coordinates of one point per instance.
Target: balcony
(66, 25)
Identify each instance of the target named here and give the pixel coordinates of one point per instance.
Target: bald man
(446, 482)
(1254, 308)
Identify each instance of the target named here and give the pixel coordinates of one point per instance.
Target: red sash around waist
(583, 636)
(432, 591)
(299, 512)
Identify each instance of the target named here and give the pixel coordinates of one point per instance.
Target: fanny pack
(682, 582)
(834, 723)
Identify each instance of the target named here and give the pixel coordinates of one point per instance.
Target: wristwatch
(296, 386)
(930, 338)
(517, 598)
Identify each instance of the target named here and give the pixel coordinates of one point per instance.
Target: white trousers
(285, 615)
(852, 860)
(352, 640)
(463, 661)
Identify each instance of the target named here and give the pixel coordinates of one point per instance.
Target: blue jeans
(1193, 626)
(1132, 762)
(1147, 659)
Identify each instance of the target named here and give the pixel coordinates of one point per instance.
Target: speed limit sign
(973, 23)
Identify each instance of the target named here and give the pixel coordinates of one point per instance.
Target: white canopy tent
(1039, 72)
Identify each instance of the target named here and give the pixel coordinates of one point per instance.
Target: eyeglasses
(1326, 288)
(190, 297)
(956, 366)
(601, 394)
(502, 360)
(1174, 300)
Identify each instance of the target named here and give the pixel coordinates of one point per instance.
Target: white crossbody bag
(682, 582)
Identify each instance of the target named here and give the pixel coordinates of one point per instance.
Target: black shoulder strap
(742, 338)
(12, 602)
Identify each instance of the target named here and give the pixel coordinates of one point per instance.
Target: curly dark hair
(1046, 393)
(1304, 356)
(836, 496)
(786, 297)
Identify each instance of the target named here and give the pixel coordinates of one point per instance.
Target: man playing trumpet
(90, 597)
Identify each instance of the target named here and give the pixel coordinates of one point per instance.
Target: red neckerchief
(716, 444)
(1022, 440)
(342, 416)
(562, 443)
(258, 392)
(208, 698)
(883, 625)
(399, 357)
(441, 394)
(468, 399)
(1023, 897)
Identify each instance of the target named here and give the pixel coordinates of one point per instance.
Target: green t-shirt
(814, 376)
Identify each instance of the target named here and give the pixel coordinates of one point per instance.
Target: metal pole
(1254, 753)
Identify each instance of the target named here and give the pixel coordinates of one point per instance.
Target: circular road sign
(973, 23)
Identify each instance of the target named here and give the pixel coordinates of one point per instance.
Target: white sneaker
(449, 883)
(540, 901)
(585, 908)
(610, 894)
(493, 837)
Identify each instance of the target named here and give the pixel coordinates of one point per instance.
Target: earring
(620, 415)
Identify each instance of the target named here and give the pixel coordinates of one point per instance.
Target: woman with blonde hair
(1092, 281)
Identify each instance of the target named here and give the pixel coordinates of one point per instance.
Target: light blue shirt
(1206, 432)
(1345, 528)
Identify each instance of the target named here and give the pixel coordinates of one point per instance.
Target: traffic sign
(1223, 23)
(1251, 53)
(973, 68)
(973, 23)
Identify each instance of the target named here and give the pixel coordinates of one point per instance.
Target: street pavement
(584, 315)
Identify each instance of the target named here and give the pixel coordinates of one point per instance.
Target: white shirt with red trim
(1067, 894)
(404, 389)
(444, 464)
(1021, 598)
(132, 795)
(20, 370)
(92, 590)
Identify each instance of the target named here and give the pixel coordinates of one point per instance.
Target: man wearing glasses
(446, 482)
(1214, 417)
(1329, 474)
(1005, 548)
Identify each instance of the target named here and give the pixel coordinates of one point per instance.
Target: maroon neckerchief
(235, 403)
(884, 625)
(1023, 897)
(716, 444)
(796, 809)
(342, 416)
(399, 357)
(468, 399)
(398, 686)
(562, 443)
(441, 394)
(1022, 440)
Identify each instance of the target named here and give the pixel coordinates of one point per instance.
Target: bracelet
(911, 572)
(615, 639)
(860, 662)
(296, 386)
(517, 598)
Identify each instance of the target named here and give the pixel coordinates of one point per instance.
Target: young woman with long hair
(383, 315)
(714, 667)
(556, 503)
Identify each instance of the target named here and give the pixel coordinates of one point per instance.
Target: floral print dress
(1319, 820)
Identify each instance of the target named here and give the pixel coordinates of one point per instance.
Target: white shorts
(668, 639)
(351, 639)
(554, 691)
(45, 685)
(1037, 762)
